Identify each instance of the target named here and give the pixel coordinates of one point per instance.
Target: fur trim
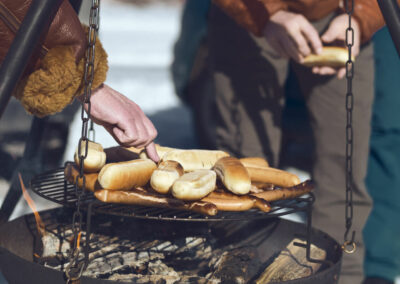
(51, 88)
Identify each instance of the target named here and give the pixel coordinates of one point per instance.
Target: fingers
(324, 70)
(152, 152)
(291, 49)
(311, 35)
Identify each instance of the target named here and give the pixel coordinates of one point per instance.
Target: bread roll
(126, 175)
(272, 175)
(95, 159)
(254, 162)
(195, 159)
(286, 193)
(331, 56)
(71, 172)
(165, 175)
(141, 197)
(233, 175)
(194, 185)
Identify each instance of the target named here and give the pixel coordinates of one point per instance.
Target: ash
(139, 253)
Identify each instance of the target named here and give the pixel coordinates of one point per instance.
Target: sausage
(144, 198)
(286, 193)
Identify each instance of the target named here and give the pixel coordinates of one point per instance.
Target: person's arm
(250, 14)
(123, 119)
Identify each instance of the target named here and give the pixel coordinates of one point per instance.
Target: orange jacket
(254, 14)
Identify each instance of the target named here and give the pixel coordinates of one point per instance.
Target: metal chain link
(76, 265)
(349, 244)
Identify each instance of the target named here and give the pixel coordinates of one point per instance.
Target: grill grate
(52, 186)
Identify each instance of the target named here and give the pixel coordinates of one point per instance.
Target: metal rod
(391, 13)
(36, 21)
(27, 166)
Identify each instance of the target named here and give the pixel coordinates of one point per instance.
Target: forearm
(251, 14)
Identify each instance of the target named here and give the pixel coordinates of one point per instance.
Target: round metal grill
(52, 186)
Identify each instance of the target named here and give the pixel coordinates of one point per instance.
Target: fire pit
(139, 244)
(153, 251)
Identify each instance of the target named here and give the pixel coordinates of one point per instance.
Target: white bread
(233, 175)
(195, 159)
(273, 176)
(332, 56)
(194, 185)
(126, 175)
(254, 161)
(95, 159)
(165, 175)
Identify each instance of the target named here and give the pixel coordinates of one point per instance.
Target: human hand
(292, 35)
(123, 119)
(337, 32)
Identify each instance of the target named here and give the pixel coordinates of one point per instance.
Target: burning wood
(51, 243)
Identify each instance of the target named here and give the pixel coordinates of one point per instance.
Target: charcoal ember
(159, 268)
(236, 266)
(52, 246)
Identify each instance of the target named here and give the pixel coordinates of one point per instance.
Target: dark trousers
(382, 230)
(248, 94)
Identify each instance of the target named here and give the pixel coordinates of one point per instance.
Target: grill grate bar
(52, 186)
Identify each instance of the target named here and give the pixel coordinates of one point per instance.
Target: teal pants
(382, 230)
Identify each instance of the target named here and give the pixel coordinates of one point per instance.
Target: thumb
(152, 152)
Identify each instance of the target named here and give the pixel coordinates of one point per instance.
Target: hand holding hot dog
(336, 32)
(292, 36)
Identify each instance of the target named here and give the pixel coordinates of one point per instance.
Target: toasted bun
(194, 185)
(165, 175)
(233, 175)
(272, 175)
(254, 161)
(71, 173)
(331, 56)
(195, 159)
(95, 159)
(126, 175)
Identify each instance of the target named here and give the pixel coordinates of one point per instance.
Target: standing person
(251, 44)
(382, 230)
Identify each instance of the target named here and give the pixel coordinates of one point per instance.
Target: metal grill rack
(52, 186)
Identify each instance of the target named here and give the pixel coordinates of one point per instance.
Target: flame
(39, 222)
(78, 242)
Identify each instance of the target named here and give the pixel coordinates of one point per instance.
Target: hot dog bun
(331, 56)
(195, 159)
(126, 175)
(254, 162)
(233, 175)
(95, 159)
(71, 172)
(165, 175)
(272, 175)
(194, 185)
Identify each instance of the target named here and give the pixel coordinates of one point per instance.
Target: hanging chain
(349, 245)
(76, 265)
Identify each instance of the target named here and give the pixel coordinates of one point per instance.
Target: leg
(382, 230)
(248, 88)
(325, 99)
